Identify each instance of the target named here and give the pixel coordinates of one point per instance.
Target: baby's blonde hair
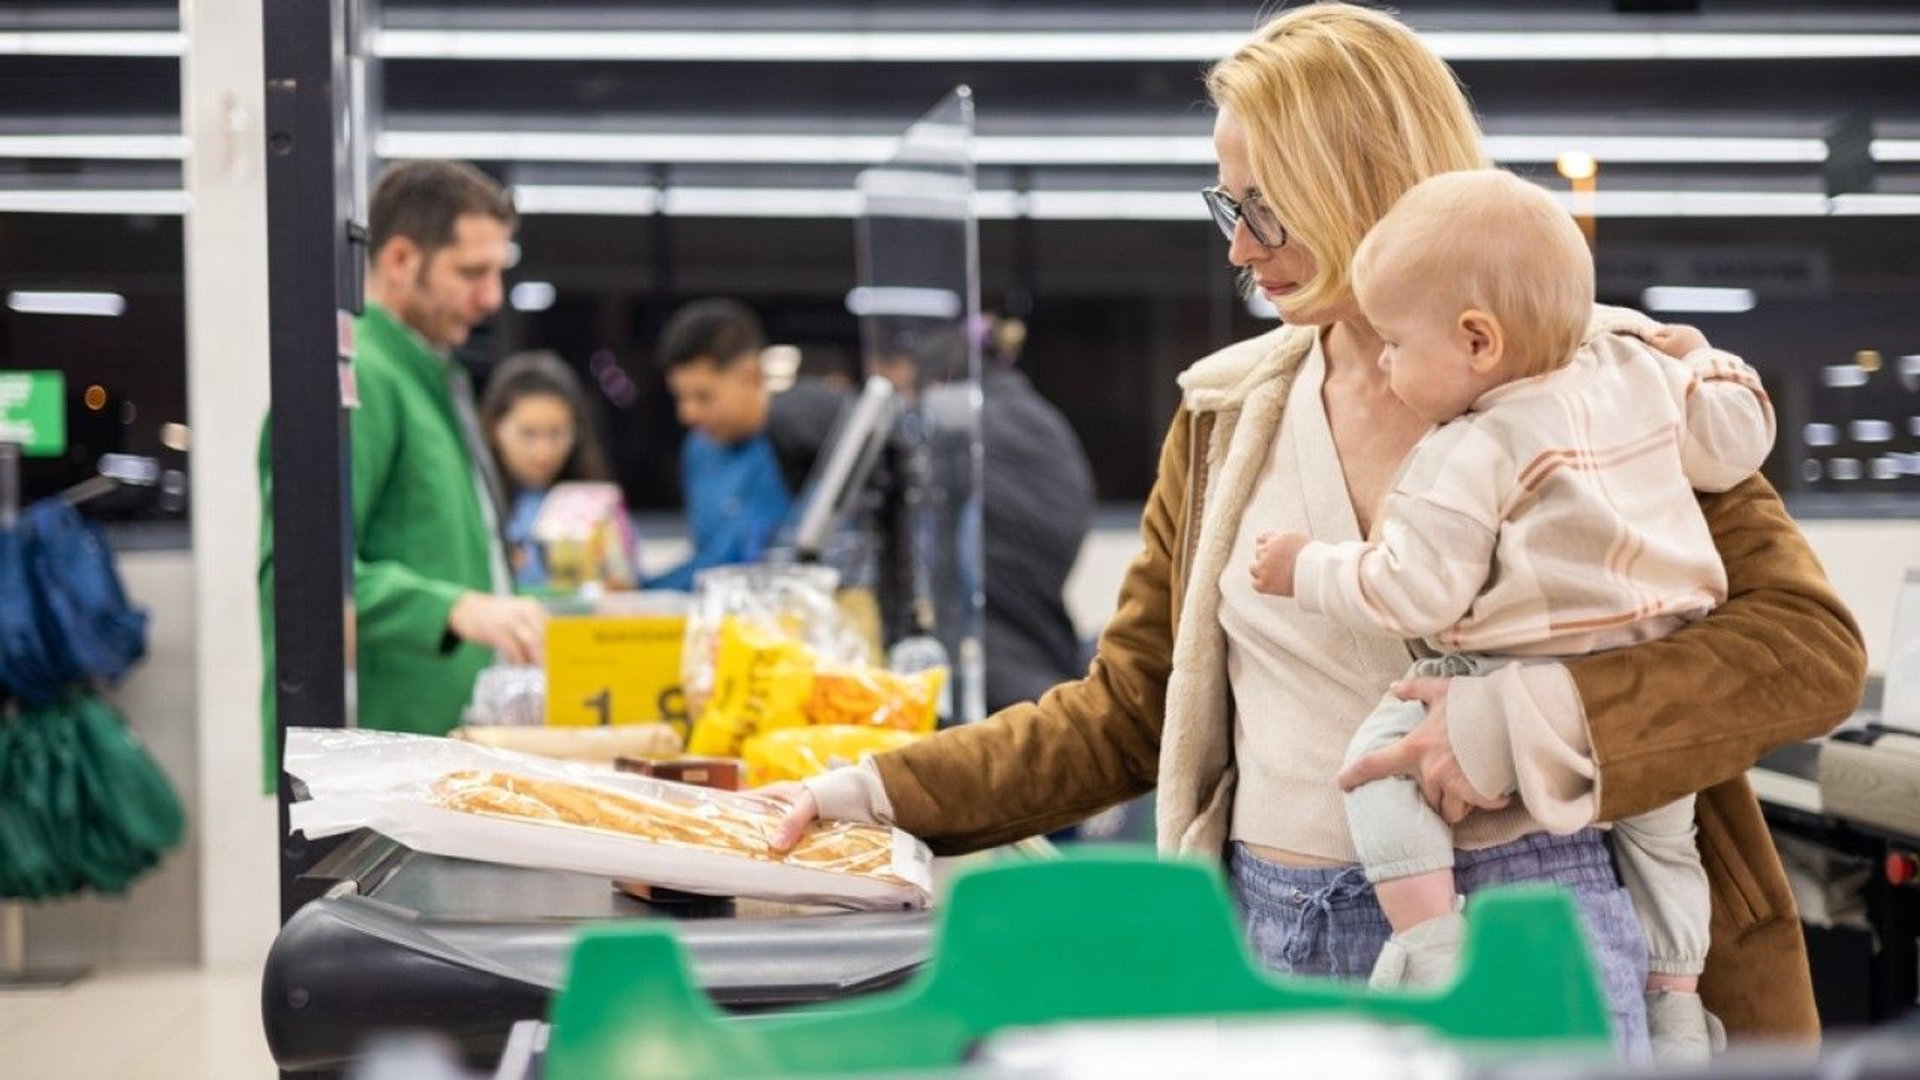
(1487, 239)
(1344, 109)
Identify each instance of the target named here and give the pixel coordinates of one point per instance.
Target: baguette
(706, 823)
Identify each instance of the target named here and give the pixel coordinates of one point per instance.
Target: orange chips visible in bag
(765, 681)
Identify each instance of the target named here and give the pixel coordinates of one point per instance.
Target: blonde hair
(1344, 109)
(1489, 240)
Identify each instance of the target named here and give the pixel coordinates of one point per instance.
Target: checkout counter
(1845, 812)
(394, 940)
(388, 939)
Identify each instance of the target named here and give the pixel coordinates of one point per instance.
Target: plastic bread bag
(798, 753)
(452, 798)
(790, 600)
(765, 680)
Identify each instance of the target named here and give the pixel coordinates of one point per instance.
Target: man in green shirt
(431, 593)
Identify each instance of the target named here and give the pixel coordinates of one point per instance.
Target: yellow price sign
(615, 669)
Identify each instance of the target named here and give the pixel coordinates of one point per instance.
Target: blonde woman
(1238, 707)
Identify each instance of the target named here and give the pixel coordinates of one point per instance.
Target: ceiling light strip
(1093, 47)
(159, 43)
(116, 147)
(1197, 150)
(94, 202)
(1054, 205)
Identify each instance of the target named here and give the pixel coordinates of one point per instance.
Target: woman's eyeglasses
(1229, 212)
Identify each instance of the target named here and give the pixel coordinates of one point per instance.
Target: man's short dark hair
(722, 331)
(421, 200)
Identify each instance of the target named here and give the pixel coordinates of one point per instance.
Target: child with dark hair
(540, 427)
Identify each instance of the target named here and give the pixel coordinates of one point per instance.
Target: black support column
(315, 259)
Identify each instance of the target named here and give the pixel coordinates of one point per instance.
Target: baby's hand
(1677, 340)
(1274, 556)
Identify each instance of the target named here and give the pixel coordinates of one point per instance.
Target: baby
(1550, 514)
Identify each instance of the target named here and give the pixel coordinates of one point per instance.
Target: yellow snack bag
(875, 697)
(797, 753)
(761, 681)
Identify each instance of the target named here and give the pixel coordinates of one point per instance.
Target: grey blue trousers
(1326, 921)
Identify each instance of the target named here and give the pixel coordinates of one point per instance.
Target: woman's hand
(1425, 755)
(802, 811)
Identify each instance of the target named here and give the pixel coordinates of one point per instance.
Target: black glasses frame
(1228, 212)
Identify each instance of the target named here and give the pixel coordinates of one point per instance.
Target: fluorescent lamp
(1843, 376)
(97, 304)
(1913, 425)
(1089, 205)
(93, 43)
(1116, 205)
(128, 468)
(804, 46)
(761, 202)
(1875, 205)
(532, 295)
(1843, 468)
(624, 146)
(910, 302)
(94, 202)
(1870, 431)
(781, 362)
(1885, 467)
(776, 148)
(1093, 149)
(801, 46)
(1895, 149)
(632, 200)
(119, 147)
(1575, 45)
(1820, 435)
(1654, 204)
(999, 205)
(1654, 149)
(1697, 299)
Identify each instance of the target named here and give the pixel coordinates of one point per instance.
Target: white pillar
(226, 249)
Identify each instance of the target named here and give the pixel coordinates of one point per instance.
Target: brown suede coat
(1779, 662)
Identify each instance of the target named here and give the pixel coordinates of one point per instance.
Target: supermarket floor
(157, 1024)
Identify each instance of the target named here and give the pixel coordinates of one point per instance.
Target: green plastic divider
(1113, 936)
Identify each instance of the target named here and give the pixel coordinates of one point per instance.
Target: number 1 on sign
(602, 702)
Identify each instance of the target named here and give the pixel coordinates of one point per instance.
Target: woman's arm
(1085, 745)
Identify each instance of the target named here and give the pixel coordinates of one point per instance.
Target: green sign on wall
(33, 411)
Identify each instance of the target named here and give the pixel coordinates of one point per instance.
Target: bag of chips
(765, 681)
(798, 753)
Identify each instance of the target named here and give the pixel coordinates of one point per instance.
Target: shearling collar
(1223, 380)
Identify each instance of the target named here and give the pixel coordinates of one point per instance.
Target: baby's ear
(1485, 340)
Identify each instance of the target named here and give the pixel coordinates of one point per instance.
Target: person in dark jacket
(1038, 507)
